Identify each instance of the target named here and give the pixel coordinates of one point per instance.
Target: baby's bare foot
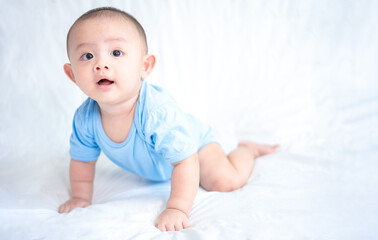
(257, 149)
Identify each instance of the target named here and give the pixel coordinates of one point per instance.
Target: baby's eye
(87, 56)
(116, 53)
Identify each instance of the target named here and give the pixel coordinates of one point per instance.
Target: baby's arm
(184, 187)
(81, 177)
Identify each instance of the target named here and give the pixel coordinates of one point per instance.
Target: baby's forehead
(127, 25)
(124, 25)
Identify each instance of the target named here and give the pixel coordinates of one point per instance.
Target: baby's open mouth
(105, 82)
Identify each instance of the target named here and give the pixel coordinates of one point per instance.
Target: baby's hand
(172, 220)
(72, 204)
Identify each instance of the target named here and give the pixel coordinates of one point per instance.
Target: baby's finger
(185, 223)
(170, 227)
(161, 227)
(69, 207)
(60, 209)
(63, 208)
(178, 226)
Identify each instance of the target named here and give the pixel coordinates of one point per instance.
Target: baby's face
(106, 56)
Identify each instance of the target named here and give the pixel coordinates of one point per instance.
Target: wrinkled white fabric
(299, 73)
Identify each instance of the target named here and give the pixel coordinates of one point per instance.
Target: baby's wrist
(179, 205)
(186, 214)
(81, 199)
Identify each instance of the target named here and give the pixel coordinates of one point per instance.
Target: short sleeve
(83, 146)
(170, 132)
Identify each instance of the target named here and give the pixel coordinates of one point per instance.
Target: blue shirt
(161, 134)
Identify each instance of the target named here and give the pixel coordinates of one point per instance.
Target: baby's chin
(112, 99)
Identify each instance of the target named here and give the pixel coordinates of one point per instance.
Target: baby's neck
(119, 111)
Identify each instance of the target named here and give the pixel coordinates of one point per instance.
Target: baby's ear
(148, 65)
(68, 70)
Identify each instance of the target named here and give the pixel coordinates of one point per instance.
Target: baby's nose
(102, 66)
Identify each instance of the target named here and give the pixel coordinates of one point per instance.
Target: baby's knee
(225, 184)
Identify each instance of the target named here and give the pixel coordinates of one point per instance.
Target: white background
(300, 73)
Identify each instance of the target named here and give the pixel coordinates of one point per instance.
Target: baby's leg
(219, 172)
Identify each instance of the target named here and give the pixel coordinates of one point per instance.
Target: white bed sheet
(299, 73)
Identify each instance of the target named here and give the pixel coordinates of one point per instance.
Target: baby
(138, 125)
